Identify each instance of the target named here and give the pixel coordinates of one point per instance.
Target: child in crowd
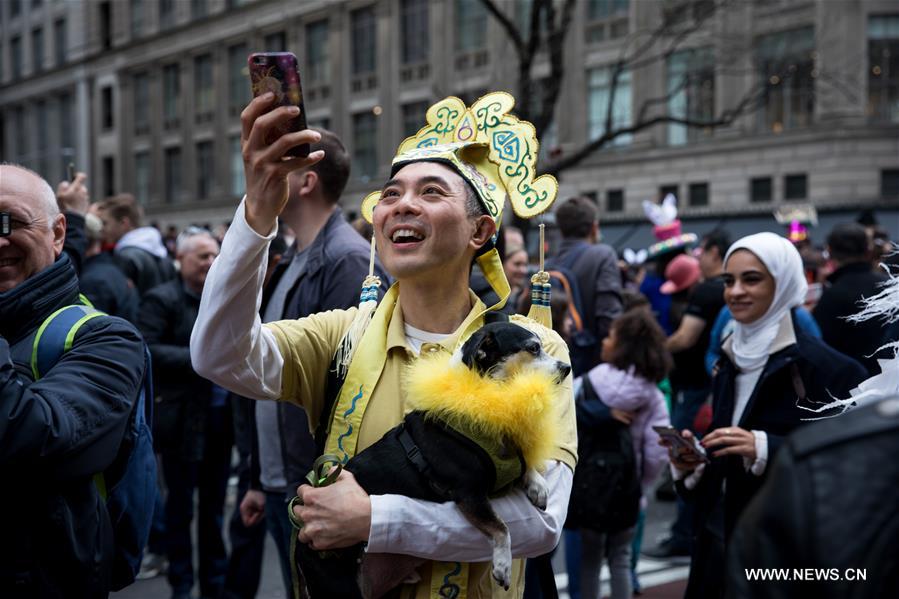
(635, 361)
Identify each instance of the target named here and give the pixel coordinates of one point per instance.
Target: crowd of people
(720, 339)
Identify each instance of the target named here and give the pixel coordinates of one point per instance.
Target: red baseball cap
(680, 273)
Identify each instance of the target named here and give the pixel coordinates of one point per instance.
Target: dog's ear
(479, 352)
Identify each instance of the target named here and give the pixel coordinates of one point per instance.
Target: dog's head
(502, 349)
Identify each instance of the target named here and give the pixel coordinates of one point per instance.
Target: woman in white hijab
(771, 378)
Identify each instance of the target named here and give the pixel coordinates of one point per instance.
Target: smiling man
(60, 430)
(436, 215)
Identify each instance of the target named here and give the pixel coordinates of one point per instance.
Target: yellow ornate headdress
(495, 152)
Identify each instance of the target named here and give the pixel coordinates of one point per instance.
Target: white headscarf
(751, 342)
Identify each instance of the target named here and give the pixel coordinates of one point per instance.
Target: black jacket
(830, 504)
(108, 288)
(599, 283)
(846, 286)
(336, 265)
(166, 319)
(55, 434)
(806, 374)
(144, 269)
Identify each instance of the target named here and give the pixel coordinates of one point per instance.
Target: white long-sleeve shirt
(230, 347)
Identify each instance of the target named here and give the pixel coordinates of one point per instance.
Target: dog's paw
(536, 488)
(502, 571)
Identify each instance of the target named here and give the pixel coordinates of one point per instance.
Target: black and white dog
(424, 459)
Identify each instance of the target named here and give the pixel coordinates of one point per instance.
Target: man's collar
(396, 332)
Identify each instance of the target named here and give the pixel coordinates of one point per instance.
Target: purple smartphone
(277, 72)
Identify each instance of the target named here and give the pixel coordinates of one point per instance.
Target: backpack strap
(55, 336)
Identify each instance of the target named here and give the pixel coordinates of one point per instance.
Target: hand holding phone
(274, 137)
(683, 449)
(277, 72)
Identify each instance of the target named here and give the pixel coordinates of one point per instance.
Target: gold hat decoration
(489, 147)
(496, 153)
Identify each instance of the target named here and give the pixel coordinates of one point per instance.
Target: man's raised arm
(228, 345)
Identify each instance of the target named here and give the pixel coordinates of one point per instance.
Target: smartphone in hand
(277, 72)
(673, 436)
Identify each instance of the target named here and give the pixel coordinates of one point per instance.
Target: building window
(414, 117)
(66, 131)
(795, 187)
(204, 92)
(141, 104)
(786, 65)
(275, 42)
(106, 25)
(471, 25)
(235, 154)
(197, 9)
(60, 41)
(41, 116)
(171, 96)
(238, 82)
(166, 13)
(691, 93)
(142, 177)
(107, 120)
(889, 183)
(699, 194)
(15, 7)
(760, 189)
(364, 26)
(15, 55)
(317, 52)
(37, 50)
(137, 17)
(108, 170)
(615, 200)
(205, 169)
(883, 67)
(599, 94)
(365, 159)
(172, 174)
(606, 20)
(414, 31)
(674, 190)
(21, 135)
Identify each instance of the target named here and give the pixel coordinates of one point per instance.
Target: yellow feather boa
(521, 409)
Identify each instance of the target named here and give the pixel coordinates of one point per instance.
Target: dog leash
(325, 470)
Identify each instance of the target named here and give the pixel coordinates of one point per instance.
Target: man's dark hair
(640, 343)
(848, 242)
(719, 239)
(575, 217)
(334, 169)
(123, 205)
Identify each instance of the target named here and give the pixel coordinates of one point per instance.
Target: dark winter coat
(336, 265)
(599, 283)
(846, 286)
(804, 374)
(166, 319)
(829, 503)
(55, 434)
(108, 288)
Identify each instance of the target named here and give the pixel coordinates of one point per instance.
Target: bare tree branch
(507, 24)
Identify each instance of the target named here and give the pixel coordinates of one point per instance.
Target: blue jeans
(209, 478)
(281, 529)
